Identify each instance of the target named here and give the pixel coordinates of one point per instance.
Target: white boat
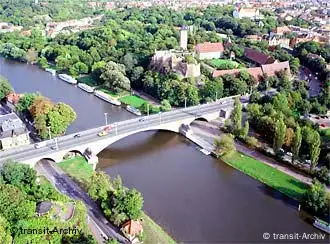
(322, 225)
(107, 98)
(85, 87)
(204, 151)
(67, 78)
(133, 110)
(52, 71)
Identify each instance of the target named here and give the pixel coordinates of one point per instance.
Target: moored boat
(85, 87)
(67, 78)
(52, 71)
(322, 225)
(107, 98)
(133, 110)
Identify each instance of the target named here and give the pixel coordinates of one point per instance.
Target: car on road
(103, 133)
(323, 125)
(289, 154)
(76, 136)
(324, 116)
(142, 119)
(40, 145)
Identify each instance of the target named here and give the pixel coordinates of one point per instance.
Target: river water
(195, 198)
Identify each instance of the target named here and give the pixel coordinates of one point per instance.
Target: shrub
(252, 141)
(324, 175)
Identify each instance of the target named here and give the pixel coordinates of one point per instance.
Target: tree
(225, 145)
(315, 198)
(289, 135)
(79, 68)
(136, 77)
(40, 105)
(245, 131)
(296, 143)
(19, 175)
(14, 204)
(40, 124)
(114, 76)
(165, 105)
(212, 89)
(99, 186)
(43, 62)
(25, 102)
(5, 88)
(279, 136)
(314, 149)
(236, 117)
(5, 236)
(129, 202)
(129, 61)
(66, 112)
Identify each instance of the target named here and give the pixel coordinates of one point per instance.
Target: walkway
(210, 131)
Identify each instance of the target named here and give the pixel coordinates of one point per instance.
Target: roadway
(68, 141)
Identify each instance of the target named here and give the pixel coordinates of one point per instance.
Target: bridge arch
(72, 153)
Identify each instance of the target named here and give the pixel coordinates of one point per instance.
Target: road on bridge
(96, 220)
(65, 142)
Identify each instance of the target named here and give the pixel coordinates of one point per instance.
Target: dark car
(76, 136)
(142, 119)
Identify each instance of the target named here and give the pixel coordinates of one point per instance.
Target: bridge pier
(91, 158)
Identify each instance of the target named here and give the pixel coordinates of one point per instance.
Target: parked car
(142, 119)
(324, 117)
(307, 161)
(76, 136)
(289, 154)
(323, 125)
(317, 117)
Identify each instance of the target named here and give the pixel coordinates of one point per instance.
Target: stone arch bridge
(89, 143)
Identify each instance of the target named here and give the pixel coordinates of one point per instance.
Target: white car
(308, 161)
(289, 154)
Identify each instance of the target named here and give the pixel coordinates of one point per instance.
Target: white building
(251, 13)
(13, 132)
(208, 50)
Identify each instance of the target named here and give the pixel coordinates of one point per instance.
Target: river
(195, 198)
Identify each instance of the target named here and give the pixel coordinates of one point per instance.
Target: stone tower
(183, 37)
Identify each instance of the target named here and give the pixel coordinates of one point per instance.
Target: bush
(324, 175)
(252, 141)
(165, 106)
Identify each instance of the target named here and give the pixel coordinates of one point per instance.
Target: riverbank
(80, 171)
(271, 176)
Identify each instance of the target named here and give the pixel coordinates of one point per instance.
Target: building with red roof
(272, 69)
(208, 50)
(131, 229)
(255, 72)
(258, 57)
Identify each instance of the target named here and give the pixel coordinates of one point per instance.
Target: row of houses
(267, 65)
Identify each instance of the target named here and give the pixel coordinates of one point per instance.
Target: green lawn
(224, 64)
(87, 80)
(272, 177)
(154, 233)
(133, 100)
(78, 169)
(114, 94)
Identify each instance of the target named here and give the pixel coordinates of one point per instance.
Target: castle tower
(183, 37)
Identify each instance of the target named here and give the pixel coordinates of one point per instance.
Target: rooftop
(258, 57)
(11, 124)
(208, 47)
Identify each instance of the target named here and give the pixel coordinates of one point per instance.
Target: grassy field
(272, 177)
(133, 100)
(78, 169)
(153, 232)
(224, 64)
(87, 80)
(114, 94)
